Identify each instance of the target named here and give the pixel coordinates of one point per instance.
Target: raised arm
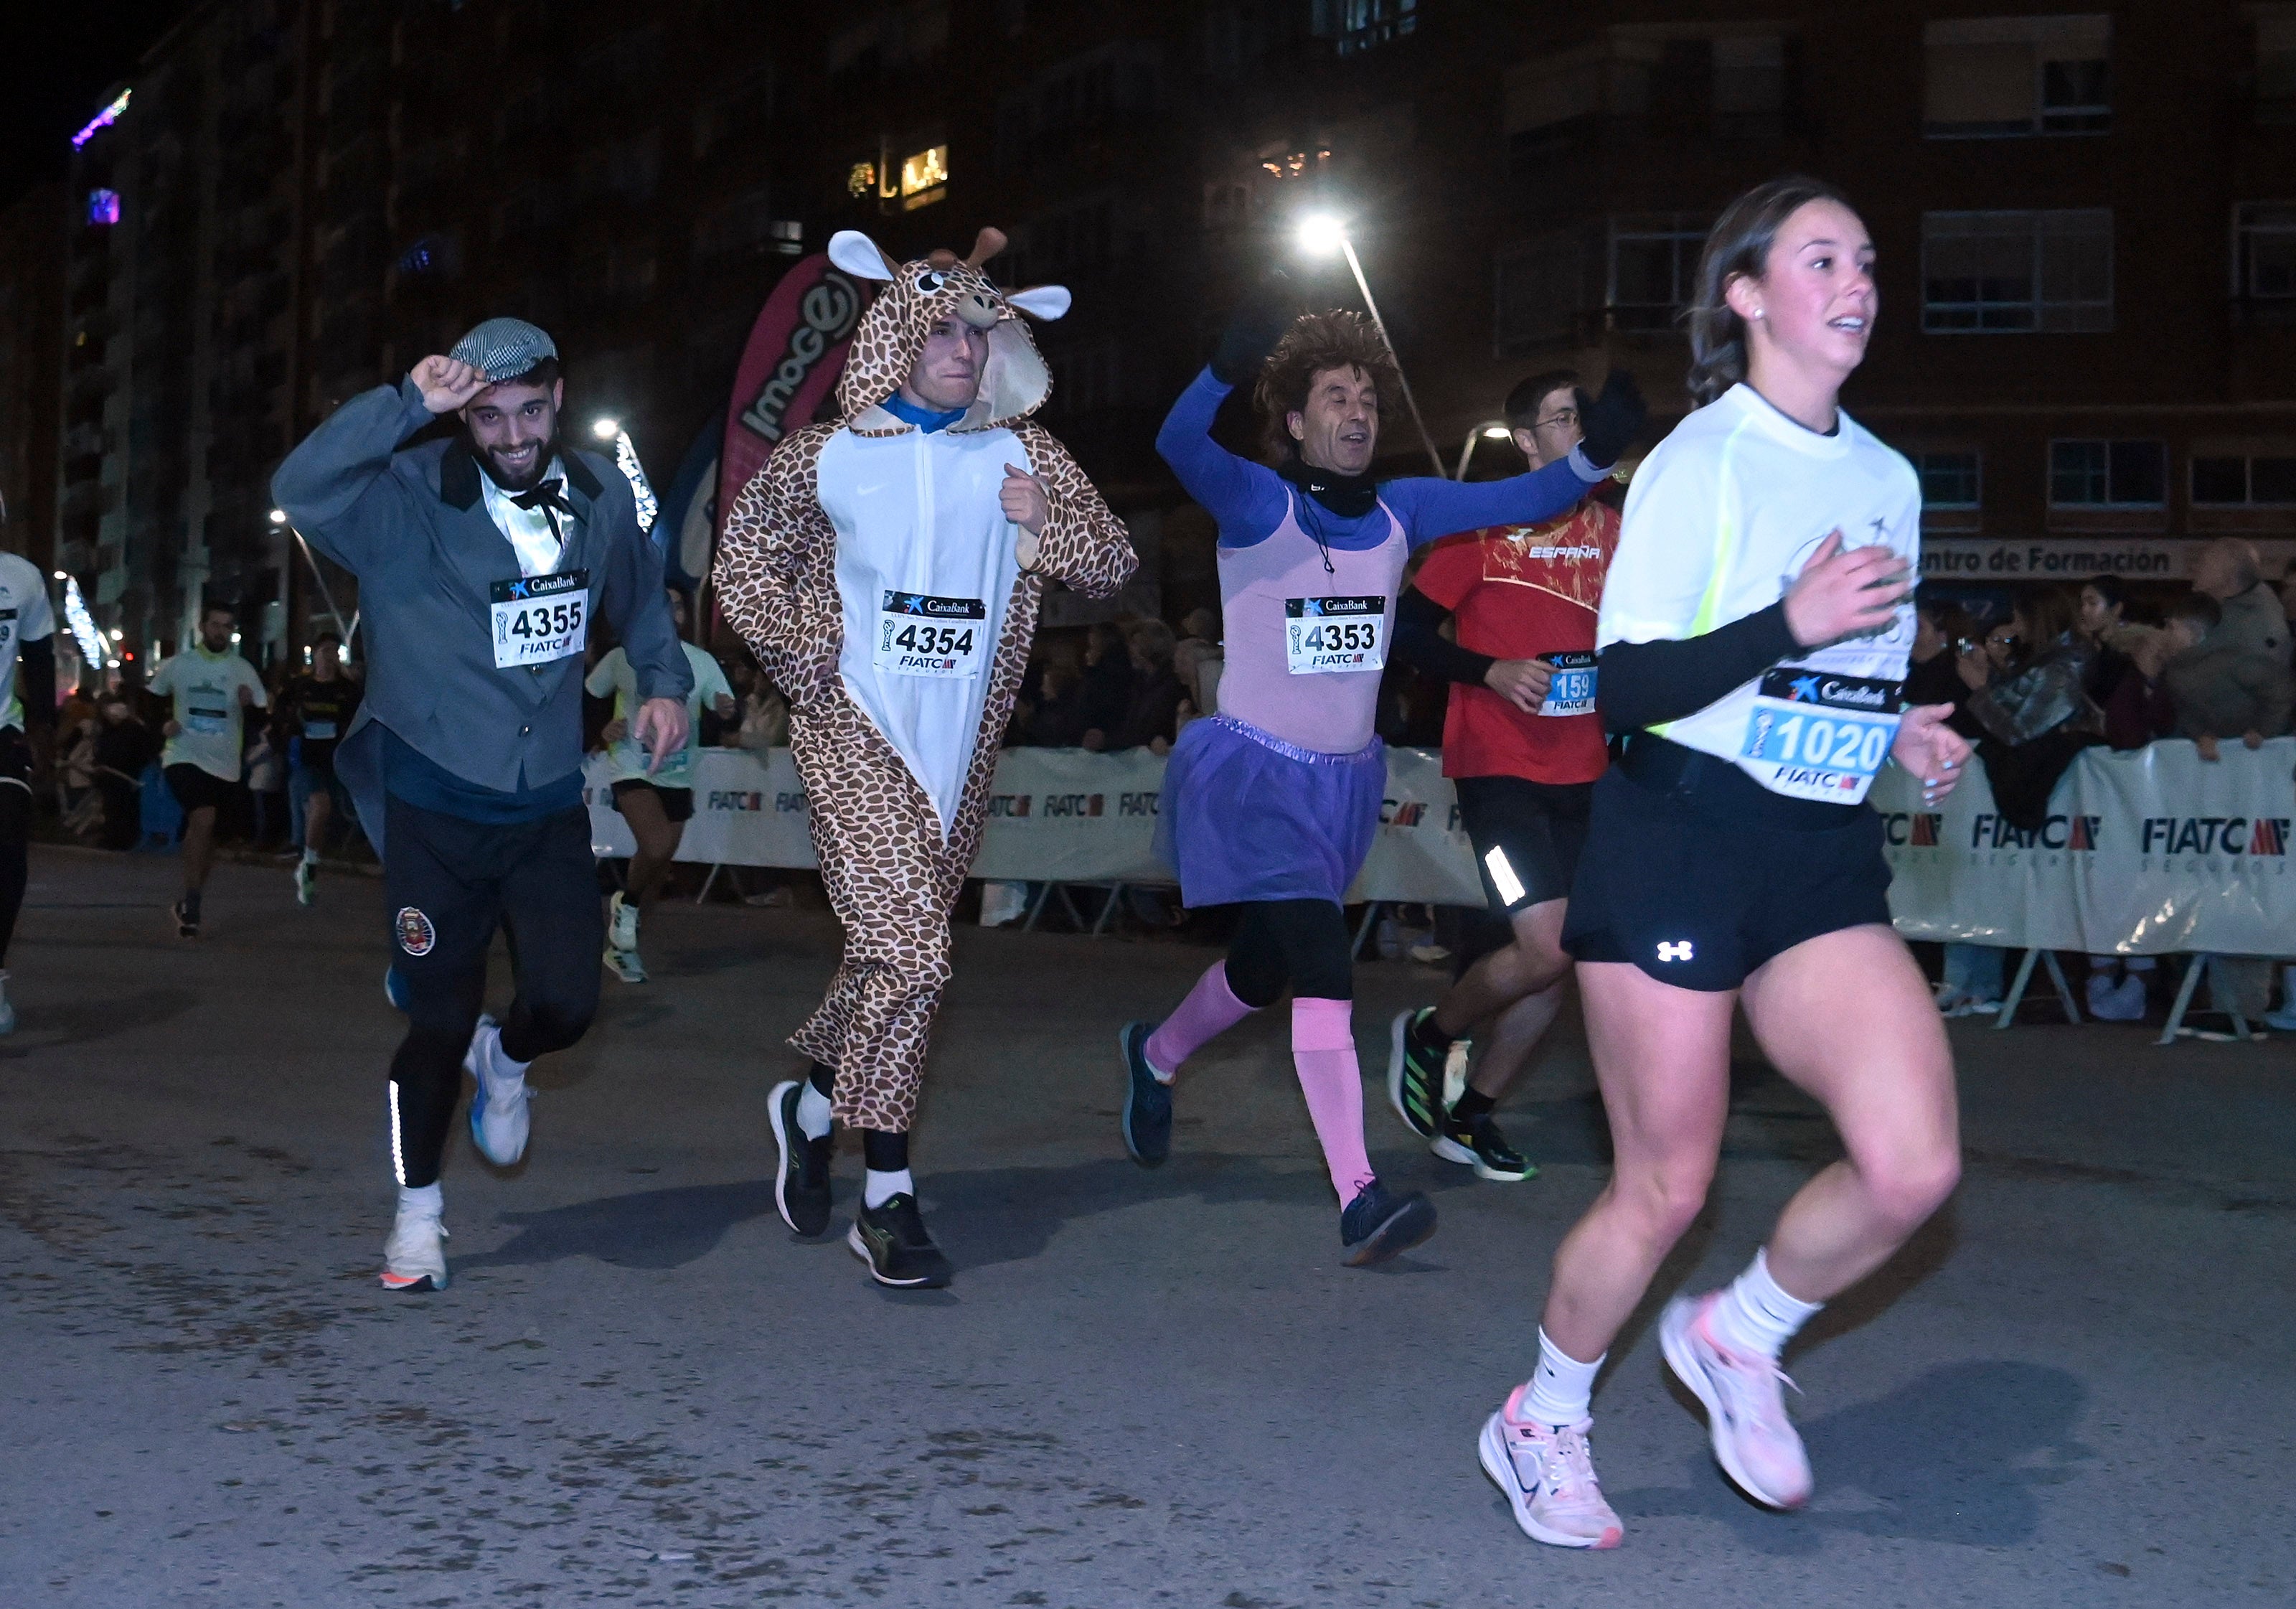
(1247, 500)
(1429, 508)
(1083, 545)
(330, 483)
(777, 571)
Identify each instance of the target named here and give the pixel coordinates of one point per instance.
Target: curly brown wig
(1315, 343)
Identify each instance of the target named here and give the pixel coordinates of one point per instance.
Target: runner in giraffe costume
(887, 571)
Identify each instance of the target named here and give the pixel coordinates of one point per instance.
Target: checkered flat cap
(505, 348)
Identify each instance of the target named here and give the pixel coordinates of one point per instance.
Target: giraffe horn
(986, 246)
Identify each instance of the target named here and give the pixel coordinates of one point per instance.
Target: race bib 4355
(538, 619)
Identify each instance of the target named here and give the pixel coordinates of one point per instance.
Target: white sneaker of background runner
(625, 929)
(499, 1114)
(1547, 1471)
(414, 1252)
(1754, 1441)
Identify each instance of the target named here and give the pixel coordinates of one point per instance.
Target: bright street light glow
(61, 576)
(115, 634)
(606, 430)
(1322, 234)
(1494, 432)
(279, 516)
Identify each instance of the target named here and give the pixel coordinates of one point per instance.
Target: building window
(1948, 480)
(1995, 78)
(2247, 479)
(1653, 261)
(103, 209)
(2009, 272)
(2108, 474)
(1356, 26)
(1539, 292)
(2264, 252)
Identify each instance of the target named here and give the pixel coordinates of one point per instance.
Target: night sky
(55, 62)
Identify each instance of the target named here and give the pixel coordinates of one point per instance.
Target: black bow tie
(544, 494)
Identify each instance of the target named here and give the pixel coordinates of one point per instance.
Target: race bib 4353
(1815, 735)
(538, 619)
(1324, 635)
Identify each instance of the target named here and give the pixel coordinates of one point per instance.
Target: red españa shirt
(1521, 591)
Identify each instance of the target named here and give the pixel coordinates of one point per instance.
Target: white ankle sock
(812, 1112)
(1756, 1316)
(1561, 1387)
(310, 856)
(878, 1189)
(496, 1062)
(430, 1201)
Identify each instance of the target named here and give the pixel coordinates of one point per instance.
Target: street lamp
(1492, 429)
(279, 516)
(607, 429)
(1319, 233)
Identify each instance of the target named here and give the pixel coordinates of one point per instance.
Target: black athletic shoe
(1414, 1071)
(1481, 1145)
(1378, 1224)
(892, 1239)
(801, 1186)
(186, 913)
(1147, 1120)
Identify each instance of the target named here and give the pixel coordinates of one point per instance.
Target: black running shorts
(1527, 834)
(676, 803)
(1690, 891)
(197, 789)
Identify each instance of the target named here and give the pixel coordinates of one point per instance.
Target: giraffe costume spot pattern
(891, 859)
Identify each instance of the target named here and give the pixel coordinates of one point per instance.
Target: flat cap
(505, 348)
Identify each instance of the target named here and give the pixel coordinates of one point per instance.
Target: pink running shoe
(1547, 1472)
(1754, 1441)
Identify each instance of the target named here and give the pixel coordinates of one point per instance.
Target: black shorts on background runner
(1698, 875)
(676, 803)
(1528, 837)
(196, 789)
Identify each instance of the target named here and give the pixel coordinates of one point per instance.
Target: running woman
(1523, 746)
(656, 804)
(28, 635)
(315, 711)
(1271, 804)
(210, 687)
(1755, 630)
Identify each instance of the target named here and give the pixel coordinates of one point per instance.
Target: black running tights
(1303, 945)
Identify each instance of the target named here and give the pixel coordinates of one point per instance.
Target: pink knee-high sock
(1324, 1050)
(1210, 1008)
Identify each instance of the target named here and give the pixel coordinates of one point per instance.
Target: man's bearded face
(514, 430)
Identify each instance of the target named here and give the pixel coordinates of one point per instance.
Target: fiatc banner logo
(1912, 829)
(1403, 812)
(2202, 838)
(1988, 832)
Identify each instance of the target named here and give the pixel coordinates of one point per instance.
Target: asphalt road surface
(1144, 1388)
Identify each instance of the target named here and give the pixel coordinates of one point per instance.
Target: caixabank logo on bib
(2204, 843)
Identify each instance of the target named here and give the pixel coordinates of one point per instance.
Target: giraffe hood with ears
(917, 295)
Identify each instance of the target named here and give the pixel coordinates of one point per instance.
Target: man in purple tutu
(1271, 804)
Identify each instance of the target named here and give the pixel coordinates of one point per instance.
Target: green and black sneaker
(1479, 1143)
(892, 1239)
(1415, 1071)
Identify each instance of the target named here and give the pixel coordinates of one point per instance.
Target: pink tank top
(1305, 645)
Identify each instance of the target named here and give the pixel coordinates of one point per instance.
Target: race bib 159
(539, 619)
(1815, 735)
(1571, 690)
(1323, 635)
(921, 635)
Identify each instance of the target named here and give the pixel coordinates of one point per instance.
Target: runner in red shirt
(1523, 745)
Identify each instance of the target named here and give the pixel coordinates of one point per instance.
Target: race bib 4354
(538, 619)
(920, 635)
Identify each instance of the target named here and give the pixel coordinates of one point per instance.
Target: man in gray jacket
(482, 561)
(2236, 682)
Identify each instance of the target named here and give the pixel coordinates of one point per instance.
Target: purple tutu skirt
(1246, 815)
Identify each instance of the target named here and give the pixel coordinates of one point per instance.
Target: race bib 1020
(1815, 735)
(1323, 635)
(921, 635)
(539, 619)
(1571, 690)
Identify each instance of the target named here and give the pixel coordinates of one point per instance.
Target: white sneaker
(625, 965)
(7, 1011)
(1754, 1441)
(307, 883)
(499, 1114)
(622, 925)
(414, 1258)
(1547, 1472)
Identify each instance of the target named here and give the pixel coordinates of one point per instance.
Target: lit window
(861, 178)
(2009, 272)
(1948, 480)
(2248, 479)
(102, 207)
(2108, 474)
(1361, 25)
(1992, 78)
(924, 176)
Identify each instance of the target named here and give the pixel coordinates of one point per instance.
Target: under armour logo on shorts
(1674, 950)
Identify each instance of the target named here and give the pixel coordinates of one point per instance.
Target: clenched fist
(446, 384)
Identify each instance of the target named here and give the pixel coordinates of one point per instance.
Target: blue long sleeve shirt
(1249, 500)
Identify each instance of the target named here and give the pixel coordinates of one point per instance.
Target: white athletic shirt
(206, 687)
(26, 616)
(1720, 519)
(626, 761)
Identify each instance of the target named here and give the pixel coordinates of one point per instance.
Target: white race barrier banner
(2151, 852)
(1054, 815)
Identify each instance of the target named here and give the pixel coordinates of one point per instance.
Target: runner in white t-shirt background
(28, 718)
(210, 687)
(656, 805)
(1753, 640)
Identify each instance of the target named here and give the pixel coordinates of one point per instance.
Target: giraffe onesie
(871, 569)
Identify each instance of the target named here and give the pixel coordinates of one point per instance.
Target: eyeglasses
(1568, 416)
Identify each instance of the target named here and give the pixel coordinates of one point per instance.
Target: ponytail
(1739, 245)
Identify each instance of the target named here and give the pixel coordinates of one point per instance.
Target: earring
(1758, 312)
